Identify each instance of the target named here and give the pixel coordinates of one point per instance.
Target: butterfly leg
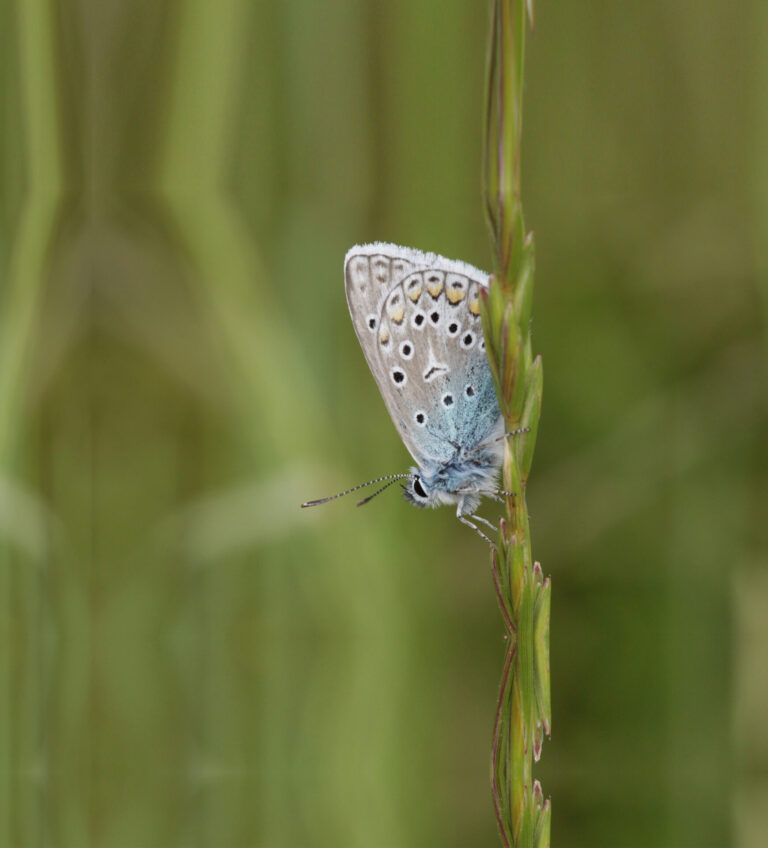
(500, 438)
(486, 522)
(465, 520)
(513, 433)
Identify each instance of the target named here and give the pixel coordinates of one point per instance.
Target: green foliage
(189, 659)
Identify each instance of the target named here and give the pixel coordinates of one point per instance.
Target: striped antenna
(377, 492)
(390, 477)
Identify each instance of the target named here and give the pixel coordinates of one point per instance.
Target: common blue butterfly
(417, 317)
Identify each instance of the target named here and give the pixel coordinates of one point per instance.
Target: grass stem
(523, 708)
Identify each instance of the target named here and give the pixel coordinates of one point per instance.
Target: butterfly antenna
(391, 477)
(378, 492)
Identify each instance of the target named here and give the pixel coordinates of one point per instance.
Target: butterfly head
(418, 492)
(461, 483)
(425, 489)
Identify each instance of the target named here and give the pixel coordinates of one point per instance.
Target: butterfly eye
(418, 488)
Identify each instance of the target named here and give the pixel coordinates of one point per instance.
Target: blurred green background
(186, 658)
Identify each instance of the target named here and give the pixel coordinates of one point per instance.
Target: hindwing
(417, 316)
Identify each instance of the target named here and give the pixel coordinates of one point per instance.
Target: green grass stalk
(523, 708)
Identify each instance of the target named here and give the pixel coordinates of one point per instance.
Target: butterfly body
(417, 317)
(460, 481)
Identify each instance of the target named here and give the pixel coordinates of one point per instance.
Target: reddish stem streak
(496, 789)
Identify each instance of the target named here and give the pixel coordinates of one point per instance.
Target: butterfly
(417, 317)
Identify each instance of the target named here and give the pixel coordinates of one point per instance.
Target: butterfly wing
(417, 317)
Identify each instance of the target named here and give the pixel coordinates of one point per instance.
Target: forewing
(370, 272)
(418, 320)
